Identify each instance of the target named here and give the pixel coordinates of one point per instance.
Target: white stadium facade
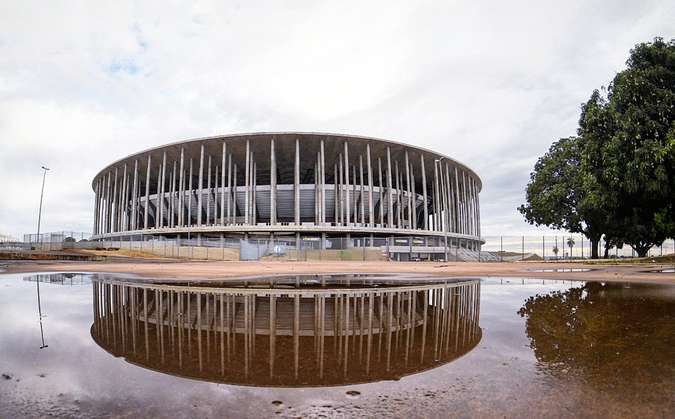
(290, 186)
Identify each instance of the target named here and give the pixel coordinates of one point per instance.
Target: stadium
(286, 186)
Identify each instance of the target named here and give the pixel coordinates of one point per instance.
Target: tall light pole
(42, 192)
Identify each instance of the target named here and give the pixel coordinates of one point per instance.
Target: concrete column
(247, 180)
(134, 194)
(108, 205)
(424, 193)
(159, 178)
(296, 183)
(464, 202)
(147, 192)
(390, 204)
(413, 198)
(208, 191)
(115, 200)
(473, 205)
(478, 209)
(111, 202)
(223, 169)
(189, 206)
(163, 188)
(355, 208)
(398, 195)
(215, 195)
(234, 193)
(273, 184)
(371, 212)
(173, 196)
(230, 195)
(336, 217)
(341, 195)
(97, 207)
(448, 184)
(437, 195)
(118, 211)
(407, 189)
(322, 171)
(169, 204)
(457, 203)
(101, 206)
(200, 186)
(123, 201)
(347, 208)
(451, 192)
(181, 189)
(381, 193)
(96, 188)
(316, 189)
(444, 201)
(128, 201)
(254, 208)
(362, 209)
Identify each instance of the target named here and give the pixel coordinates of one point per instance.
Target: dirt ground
(180, 269)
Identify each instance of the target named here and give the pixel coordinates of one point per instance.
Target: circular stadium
(290, 186)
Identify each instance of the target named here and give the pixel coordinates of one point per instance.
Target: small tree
(558, 195)
(570, 244)
(555, 251)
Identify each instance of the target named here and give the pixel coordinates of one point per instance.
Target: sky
(491, 84)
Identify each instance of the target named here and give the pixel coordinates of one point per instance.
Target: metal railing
(495, 249)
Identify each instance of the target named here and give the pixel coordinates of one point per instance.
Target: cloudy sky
(489, 83)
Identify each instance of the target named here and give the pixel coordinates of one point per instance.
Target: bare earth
(181, 270)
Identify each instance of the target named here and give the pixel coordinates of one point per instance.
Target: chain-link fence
(57, 240)
(314, 248)
(560, 248)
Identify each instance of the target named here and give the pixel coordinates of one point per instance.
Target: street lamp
(44, 175)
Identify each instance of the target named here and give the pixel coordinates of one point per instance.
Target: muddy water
(95, 345)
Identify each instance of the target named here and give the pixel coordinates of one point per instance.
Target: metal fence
(286, 248)
(562, 247)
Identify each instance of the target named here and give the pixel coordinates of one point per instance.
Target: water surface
(504, 347)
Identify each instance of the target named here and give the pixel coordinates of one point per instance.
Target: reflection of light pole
(42, 334)
(44, 175)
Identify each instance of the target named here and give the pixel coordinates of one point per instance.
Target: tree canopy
(617, 176)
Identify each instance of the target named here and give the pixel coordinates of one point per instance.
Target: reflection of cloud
(491, 85)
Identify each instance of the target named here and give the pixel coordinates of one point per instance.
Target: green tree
(629, 147)
(558, 196)
(570, 244)
(617, 177)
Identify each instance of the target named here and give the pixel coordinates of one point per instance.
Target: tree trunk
(594, 248)
(642, 251)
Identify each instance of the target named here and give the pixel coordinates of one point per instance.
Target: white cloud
(492, 84)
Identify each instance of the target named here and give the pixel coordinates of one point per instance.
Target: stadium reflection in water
(292, 331)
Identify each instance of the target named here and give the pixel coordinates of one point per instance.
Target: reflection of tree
(610, 334)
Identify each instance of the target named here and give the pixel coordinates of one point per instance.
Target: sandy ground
(175, 269)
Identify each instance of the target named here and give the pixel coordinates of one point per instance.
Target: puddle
(357, 345)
